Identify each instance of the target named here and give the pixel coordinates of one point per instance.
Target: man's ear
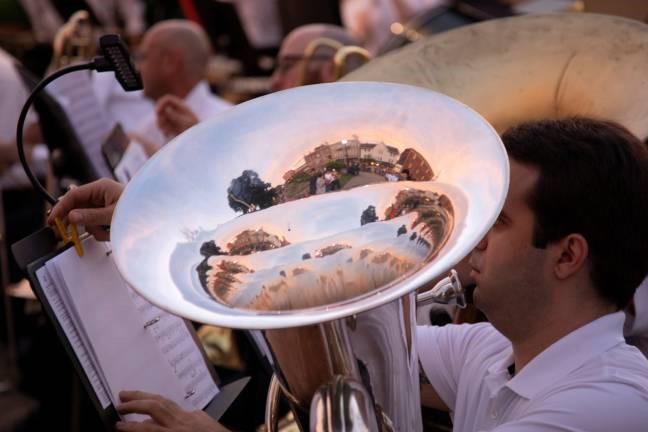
(571, 254)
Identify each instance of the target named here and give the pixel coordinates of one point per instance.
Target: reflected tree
(248, 193)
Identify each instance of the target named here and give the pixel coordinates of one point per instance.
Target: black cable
(115, 58)
(21, 123)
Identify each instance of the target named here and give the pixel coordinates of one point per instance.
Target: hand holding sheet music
(122, 341)
(164, 413)
(91, 205)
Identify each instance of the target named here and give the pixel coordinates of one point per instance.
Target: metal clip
(69, 237)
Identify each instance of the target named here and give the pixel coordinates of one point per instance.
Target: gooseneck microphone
(115, 57)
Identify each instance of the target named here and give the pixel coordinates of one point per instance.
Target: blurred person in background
(172, 60)
(370, 21)
(291, 71)
(46, 17)
(23, 208)
(174, 116)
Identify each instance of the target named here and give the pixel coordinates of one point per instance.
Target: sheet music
(66, 303)
(126, 351)
(75, 94)
(72, 334)
(179, 348)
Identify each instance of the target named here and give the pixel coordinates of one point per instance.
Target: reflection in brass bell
(264, 199)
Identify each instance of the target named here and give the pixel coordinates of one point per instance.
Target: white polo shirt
(590, 380)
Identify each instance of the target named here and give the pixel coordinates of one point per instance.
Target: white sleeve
(443, 352)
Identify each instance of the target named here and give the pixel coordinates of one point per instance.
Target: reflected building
(348, 151)
(419, 169)
(366, 162)
(379, 152)
(318, 158)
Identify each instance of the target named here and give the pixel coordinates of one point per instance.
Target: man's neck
(547, 332)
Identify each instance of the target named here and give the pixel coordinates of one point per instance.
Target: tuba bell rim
(129, 228)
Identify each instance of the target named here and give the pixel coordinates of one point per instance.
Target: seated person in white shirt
(553, 273)
(290, 72)
(175, 116)
(14, 94)
(172, 59)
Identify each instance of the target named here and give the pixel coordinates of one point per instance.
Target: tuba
(74, 41)
(311, 216)
(224, 227)
(517, 69)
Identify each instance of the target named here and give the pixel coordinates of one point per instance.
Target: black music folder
(116, 339)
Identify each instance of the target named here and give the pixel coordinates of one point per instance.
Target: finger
(153, 408)
(98, 232)
(139, 427)
(165, 124)
(93, 194)
(166, 109)
(168, 102)
(167, 404)
(172, 120)
(65, 204)
(129, 395)
(186, 118)
(91, 216)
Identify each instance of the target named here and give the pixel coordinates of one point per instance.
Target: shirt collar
(197, 94)
(566, 355)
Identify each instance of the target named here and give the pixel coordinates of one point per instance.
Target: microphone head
(117, 58)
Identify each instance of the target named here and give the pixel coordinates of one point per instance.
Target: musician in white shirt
(14, 95)
(172, 59)
(553, 275)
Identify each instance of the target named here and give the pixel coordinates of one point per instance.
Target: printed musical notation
(118, 337)
(177, 345)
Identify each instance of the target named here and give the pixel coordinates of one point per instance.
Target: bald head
(174, 56)
(289, 73)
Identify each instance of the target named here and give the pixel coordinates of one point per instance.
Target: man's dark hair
(593, 181)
